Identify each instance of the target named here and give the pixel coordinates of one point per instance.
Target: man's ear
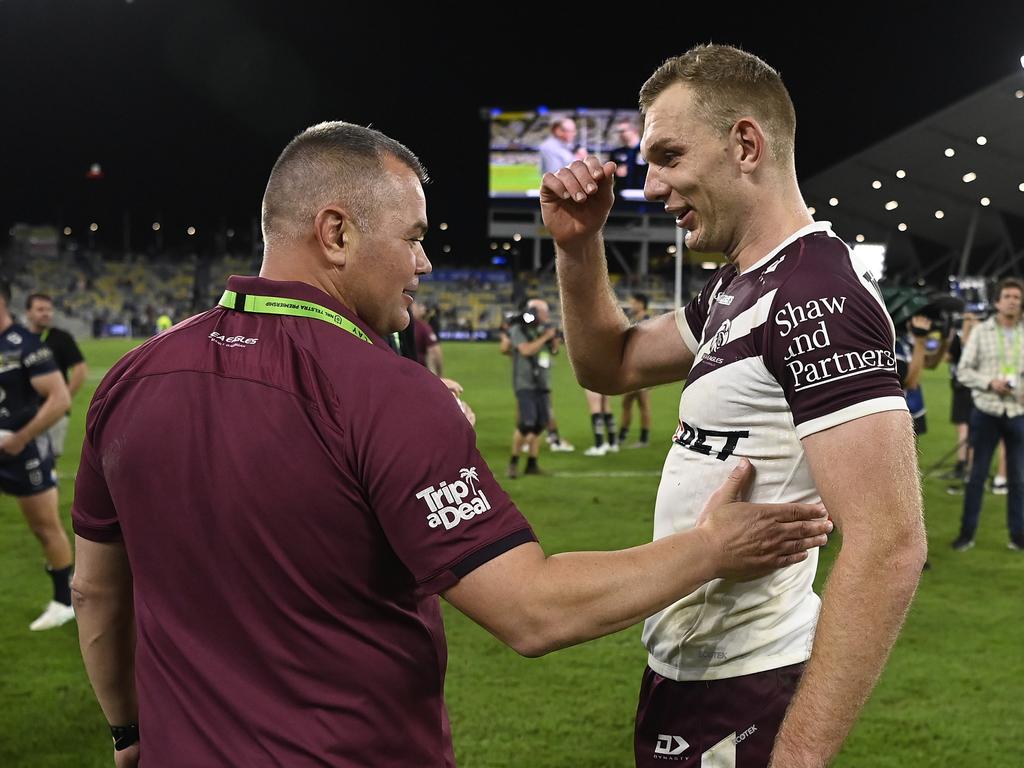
(749, 144)
(336, 234)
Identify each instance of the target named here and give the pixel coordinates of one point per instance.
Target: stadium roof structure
(954, 181)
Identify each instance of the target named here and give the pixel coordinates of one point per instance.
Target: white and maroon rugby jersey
(796, 344)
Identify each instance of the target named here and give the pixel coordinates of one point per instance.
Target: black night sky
(186, 104)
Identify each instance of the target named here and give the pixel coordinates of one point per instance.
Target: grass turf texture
(950, 695)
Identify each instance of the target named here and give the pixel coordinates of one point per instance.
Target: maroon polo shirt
(292, 499)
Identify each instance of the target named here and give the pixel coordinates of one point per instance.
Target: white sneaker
(55, 615)
(563, 446)
(612, 447)
(596, 450)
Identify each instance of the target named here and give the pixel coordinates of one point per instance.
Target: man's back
(285, 600)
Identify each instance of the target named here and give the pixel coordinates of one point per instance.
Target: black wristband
(124, 735)
(919, 332)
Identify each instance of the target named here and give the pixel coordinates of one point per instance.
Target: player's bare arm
(537, 604)
(102, 595)
(56, 401)
(607, 355)
(76, 377)
(866, 472)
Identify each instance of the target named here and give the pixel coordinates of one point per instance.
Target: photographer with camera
(533, 341)
(912, 357)
(991, 365)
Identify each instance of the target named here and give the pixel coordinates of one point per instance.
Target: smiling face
(381, 274)
(691, 170)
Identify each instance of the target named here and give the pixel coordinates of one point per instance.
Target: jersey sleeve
(37, 358)
(690, 319)
(70, 353)
(829, 344)
(436, 499)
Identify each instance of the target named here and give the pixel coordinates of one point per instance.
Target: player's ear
(336, 234)
(747, 143)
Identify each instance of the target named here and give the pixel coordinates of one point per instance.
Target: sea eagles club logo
(451, 503)
(721, 336)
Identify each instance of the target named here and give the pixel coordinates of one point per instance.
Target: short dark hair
(729, 83)
(330, 161)
(37, 296)
(1009, 282)
(642, 298)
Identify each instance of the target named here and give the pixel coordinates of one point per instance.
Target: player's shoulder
(18, 335)
(817, 263)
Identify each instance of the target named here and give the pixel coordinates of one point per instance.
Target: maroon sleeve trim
(449, 577)
(102, 534)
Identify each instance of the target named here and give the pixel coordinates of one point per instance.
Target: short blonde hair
(729, 83)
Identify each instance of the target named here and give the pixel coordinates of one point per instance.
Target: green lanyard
(276, 305)
(1004, 363)
(44, 334)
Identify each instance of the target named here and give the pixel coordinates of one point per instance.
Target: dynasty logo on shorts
(451, 503)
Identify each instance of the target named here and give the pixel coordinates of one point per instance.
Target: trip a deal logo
(449, 504)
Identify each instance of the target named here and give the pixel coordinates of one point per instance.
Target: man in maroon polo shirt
(270, 501)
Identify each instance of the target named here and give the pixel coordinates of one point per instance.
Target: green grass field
(951, 695)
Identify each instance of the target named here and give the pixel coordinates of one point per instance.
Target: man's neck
(36, 329)
(1007, 321)
(767, 227)
(6, 321)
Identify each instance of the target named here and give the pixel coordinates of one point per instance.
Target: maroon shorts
(730, 723)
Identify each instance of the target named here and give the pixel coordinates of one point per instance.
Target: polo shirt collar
(291, 289)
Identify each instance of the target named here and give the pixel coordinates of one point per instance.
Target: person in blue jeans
(992, 365)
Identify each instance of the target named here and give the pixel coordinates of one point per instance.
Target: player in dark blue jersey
(33, 397)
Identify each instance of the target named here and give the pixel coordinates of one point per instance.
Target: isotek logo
(451, 503)
(231, 341)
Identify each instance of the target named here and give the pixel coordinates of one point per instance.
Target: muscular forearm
(77, 378)
(595, 328)
(49, 413)
(106, 635)
(865, 602)
(435, 361)
(579, 596)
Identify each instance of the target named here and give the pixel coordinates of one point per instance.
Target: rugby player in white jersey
(787, 354)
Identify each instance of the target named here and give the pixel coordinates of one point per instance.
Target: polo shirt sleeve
(436, 499)
(93, 515)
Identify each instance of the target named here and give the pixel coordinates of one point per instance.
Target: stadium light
(671, 250)
(833, 201)
(902, 227)
(812, 211)
(517, 237)
(985, 201)
(444, 226)
(901, 174)
(860, 238)
(982, 141)
(506, 246)
(1019, 94)
(969, 177)
(939, 214)
(708, 265)
(892, 205)
(950, 151)
(67, 230)
(494, 246)
(156, 226)
(1021, 187)
(94, 227)
(447, 249)
(230, 233)
(876, 184)
(190, 231)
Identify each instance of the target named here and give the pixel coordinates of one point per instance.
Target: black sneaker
(962, 544)
(534, 470)
(512, 472)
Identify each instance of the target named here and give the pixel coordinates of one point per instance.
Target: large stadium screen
(516, 163)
